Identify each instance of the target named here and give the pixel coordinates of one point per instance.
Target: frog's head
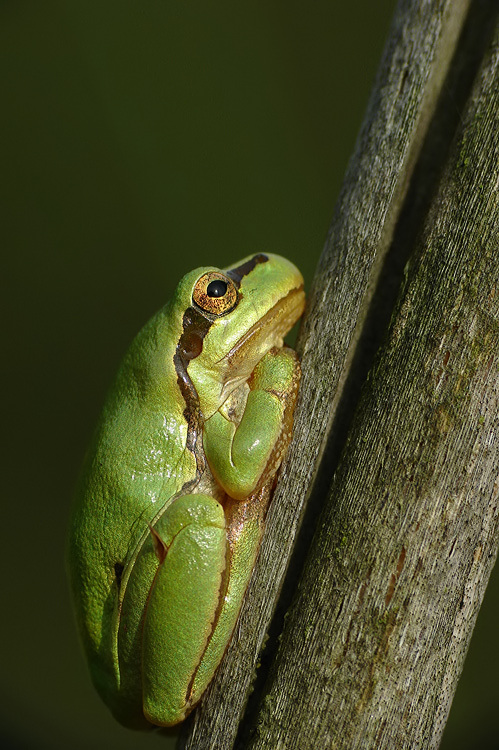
(231, 319)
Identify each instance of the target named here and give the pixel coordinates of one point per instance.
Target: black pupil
(216, 288)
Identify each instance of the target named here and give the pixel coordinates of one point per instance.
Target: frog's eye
(215, 293)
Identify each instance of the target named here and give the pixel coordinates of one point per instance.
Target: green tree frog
(173, 495)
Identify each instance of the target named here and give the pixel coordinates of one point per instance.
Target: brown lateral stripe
(236, 274)
(190, 345)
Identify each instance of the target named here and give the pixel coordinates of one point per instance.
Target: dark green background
(140, 140)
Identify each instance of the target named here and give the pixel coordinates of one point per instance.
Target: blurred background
(138, 141)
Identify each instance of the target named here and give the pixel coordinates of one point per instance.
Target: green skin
(172, 498)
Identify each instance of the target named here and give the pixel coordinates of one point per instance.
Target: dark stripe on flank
(190, 345)
(236, 274)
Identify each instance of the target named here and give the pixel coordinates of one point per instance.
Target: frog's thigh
(182, 605)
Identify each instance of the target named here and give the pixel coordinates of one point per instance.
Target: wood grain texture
(337, 643)
(398, 567)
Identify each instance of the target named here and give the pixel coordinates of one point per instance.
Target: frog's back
(136, 462)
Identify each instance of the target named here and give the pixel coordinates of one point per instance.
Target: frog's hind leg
(183, 598)
(245, 525)
(190, 545)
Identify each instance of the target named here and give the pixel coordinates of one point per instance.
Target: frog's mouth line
(272, 327)
(267, 333)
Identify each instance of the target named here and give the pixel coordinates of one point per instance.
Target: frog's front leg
(244, 456)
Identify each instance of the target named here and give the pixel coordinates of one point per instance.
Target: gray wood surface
(374, 641)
